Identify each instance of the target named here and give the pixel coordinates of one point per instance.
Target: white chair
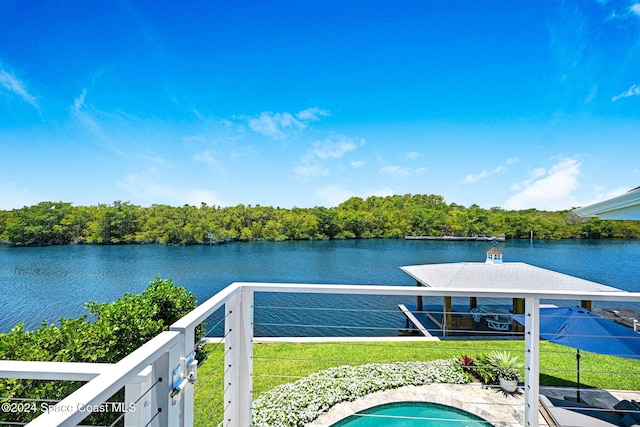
(499, 324)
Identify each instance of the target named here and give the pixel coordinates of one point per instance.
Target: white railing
(158, 377)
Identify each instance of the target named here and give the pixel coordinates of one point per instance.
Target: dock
(413, 319)
(428, 322)
(474, 238)
(623, 316)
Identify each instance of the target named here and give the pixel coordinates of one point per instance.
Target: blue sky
(514, 104)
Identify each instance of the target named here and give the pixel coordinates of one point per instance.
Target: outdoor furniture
(488, 311)
(494, 316)
(499, 324)
(565, 413)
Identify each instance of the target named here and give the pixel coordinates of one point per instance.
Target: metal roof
(626, 206)
(510, 275)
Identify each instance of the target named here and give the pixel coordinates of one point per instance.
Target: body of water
(47, 283)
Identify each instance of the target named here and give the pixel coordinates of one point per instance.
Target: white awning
(626, 206)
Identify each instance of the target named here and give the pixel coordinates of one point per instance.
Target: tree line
(60, 223)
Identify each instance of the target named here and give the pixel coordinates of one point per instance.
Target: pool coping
(490, 403)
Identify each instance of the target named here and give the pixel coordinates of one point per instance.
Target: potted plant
(507, 369)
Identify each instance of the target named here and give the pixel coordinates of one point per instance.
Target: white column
(531, 361)
(238, 359)
(162, 408)
(185, 400)
(136, 393)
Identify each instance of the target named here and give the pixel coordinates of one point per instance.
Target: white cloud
(635, 8)
(312, 114)
(149, 190)
(12, 197)
(471, 178)
(14, 85)
(534, 174)
(310, 169)
(150, 157)
(85, 114)
(276, 125)
(633, 91)
(334, 148)
(207, 157)
(398, 171)
(411, 155)
(333, 195)
(193, 138)
(357, 164)
(78, 103)
(552, 190)
(313, 164)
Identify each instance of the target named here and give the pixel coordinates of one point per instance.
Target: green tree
(40, 225)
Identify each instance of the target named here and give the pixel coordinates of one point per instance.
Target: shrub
(118, 328)
(302, 401)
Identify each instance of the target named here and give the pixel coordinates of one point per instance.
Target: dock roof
(510, 275)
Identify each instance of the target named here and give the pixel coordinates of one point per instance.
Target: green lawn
(276, 364)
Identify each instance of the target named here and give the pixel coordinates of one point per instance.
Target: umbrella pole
(578, 374)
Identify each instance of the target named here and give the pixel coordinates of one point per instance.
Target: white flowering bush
(297, 403)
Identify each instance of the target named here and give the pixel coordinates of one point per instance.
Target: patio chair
(499, 323)
(477, 314)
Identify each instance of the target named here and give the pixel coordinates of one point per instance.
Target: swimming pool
(412, 414)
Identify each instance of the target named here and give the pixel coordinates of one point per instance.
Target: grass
(275, 364)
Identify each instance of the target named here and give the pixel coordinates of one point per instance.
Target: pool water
(412, 414)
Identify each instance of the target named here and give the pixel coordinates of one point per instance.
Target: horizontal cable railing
(459, 332)
(406, 343)
(397, 341)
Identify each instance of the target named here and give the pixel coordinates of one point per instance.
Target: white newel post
(238, 359)
(531, 361)
(188, 376)
(138, 400)
(164, 412)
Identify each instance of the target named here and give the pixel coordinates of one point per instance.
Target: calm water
(52, 282)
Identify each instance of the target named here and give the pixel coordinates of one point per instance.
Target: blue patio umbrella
(583, 330)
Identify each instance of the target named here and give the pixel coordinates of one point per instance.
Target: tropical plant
(505, 365)
(468, 364)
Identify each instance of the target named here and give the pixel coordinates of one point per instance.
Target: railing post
(188, 374)
(137, 399)
(164, 409)
(531, 361)
(238, 359)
